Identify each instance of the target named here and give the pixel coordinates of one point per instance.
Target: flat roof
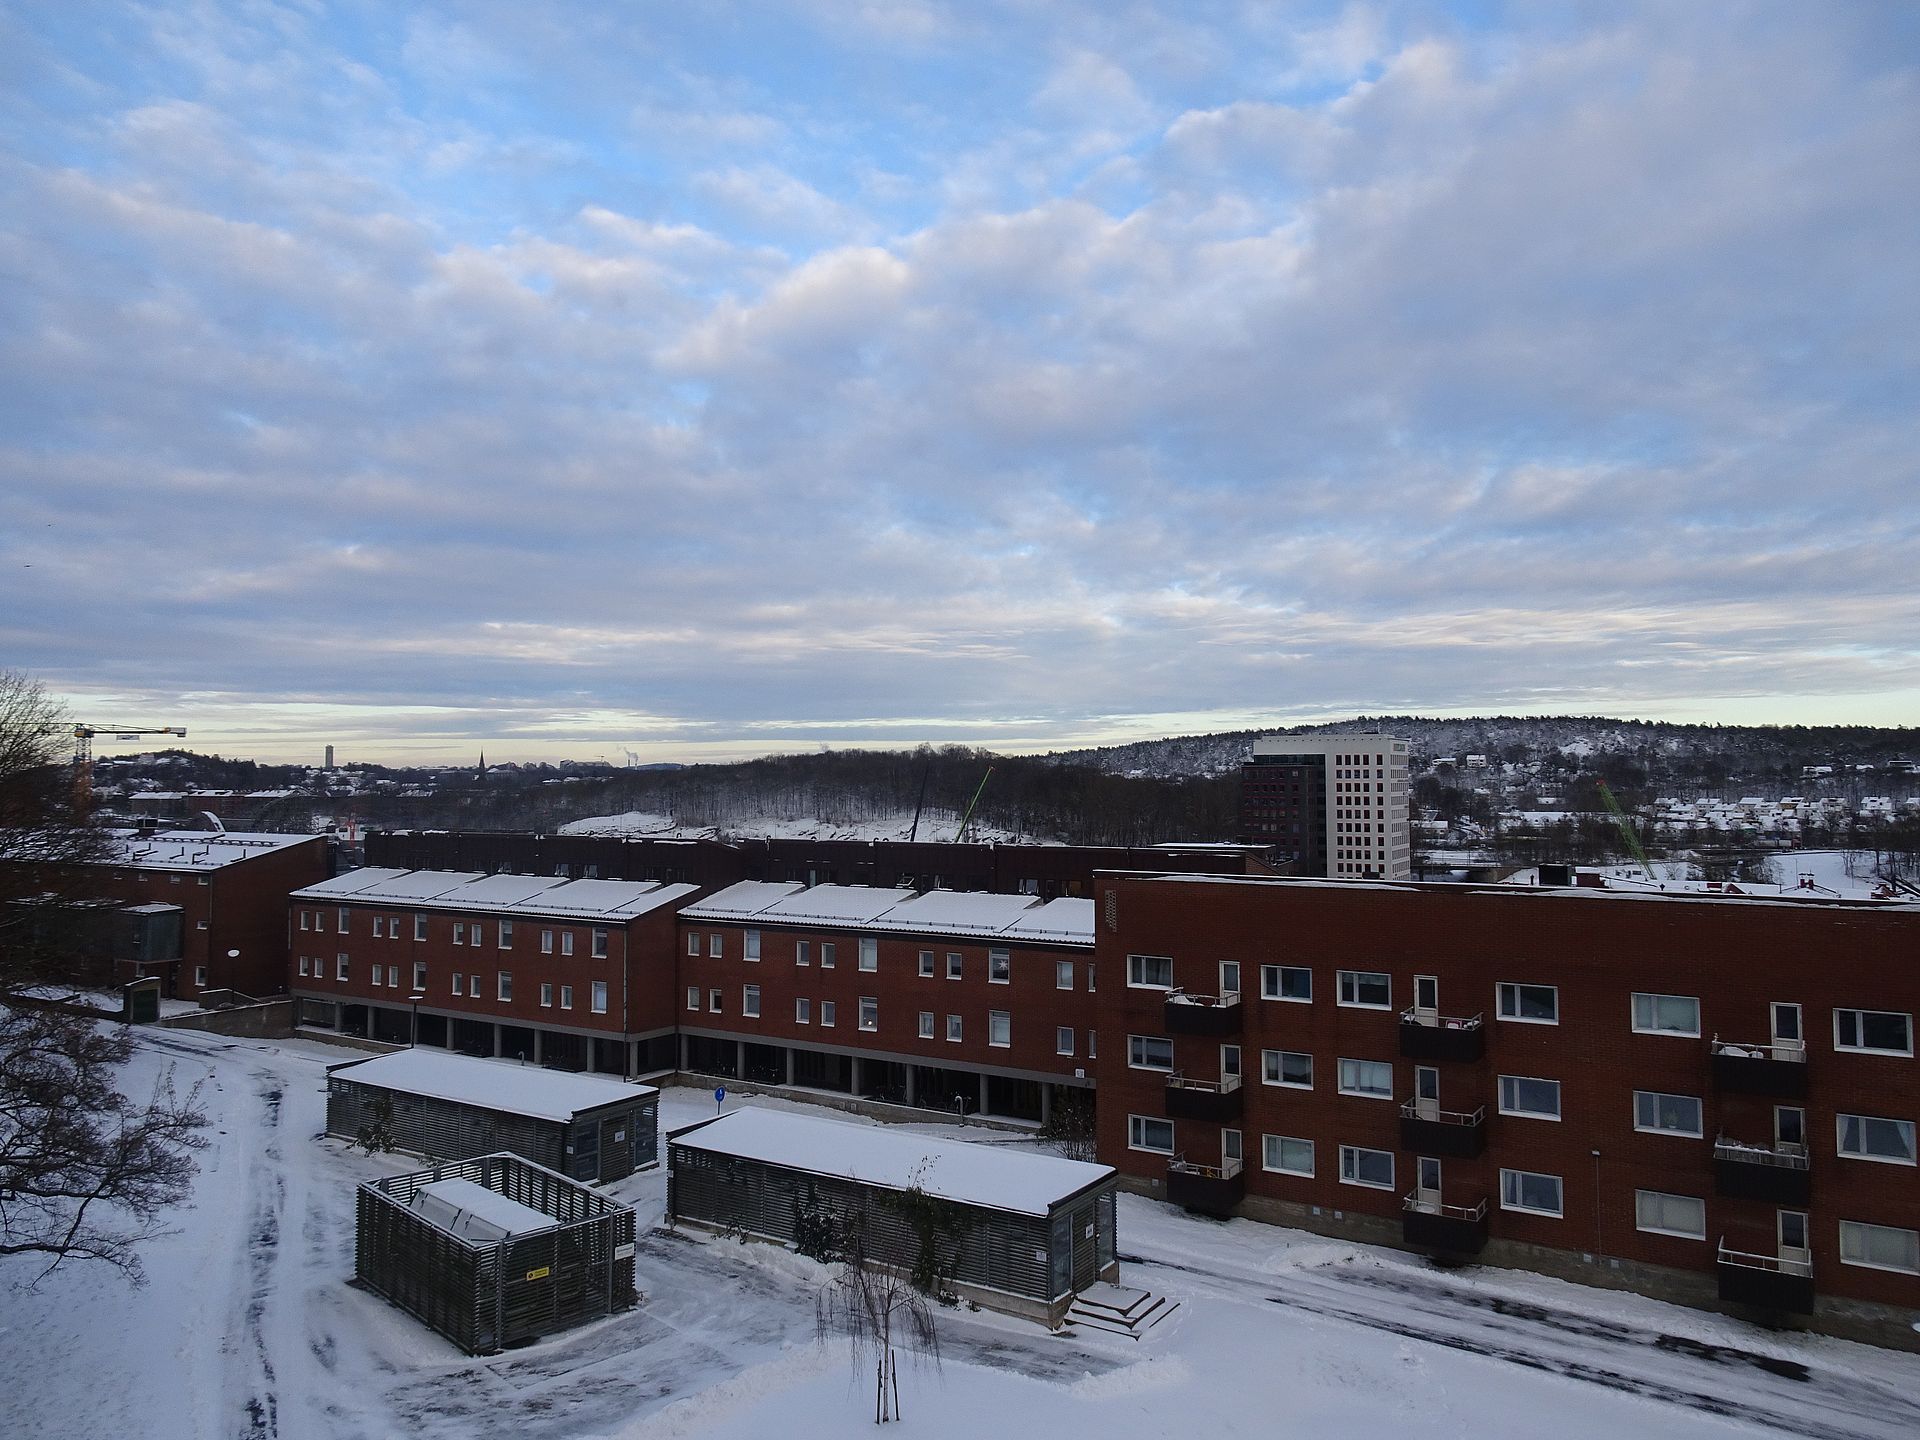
(194, 850)
(1066, 921)
(462, 1198)
(554, 896)
(491, 1084)
(994, 1177)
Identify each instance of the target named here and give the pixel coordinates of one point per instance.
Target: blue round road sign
(720, 1095)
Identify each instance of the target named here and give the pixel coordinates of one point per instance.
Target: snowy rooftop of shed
(1066, 921)
(613, 900)
(195, 849)
(491, 1084)
(459, 1199)
(993, 1177)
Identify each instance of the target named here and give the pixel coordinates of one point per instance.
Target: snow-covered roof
(994, 1177)
(1741, 894)
(491, 1084)
(473, 1212)
(198, 850)
(1065, 921)
(609, 900)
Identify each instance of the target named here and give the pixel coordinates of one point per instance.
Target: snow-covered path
(249, 1330)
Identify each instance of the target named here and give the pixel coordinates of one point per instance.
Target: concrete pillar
(912, 1074)
(789, 1064)
(685, 1041)
(536, 1048)
(1046, 1102)
(496, 1039)
(983, 1094)
(853, 1073)
(739, 1059)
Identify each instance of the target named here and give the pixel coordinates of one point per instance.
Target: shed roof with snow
(1066, 921)
(491, 1084)
(555, 897)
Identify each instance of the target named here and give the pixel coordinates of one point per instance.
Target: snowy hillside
(890, 827)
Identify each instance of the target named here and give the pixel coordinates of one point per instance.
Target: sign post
(719, 1098)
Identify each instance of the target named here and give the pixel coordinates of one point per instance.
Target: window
(953, 1028)
(1878, 1032)
(1372, 1168)
(546, 994)
(1524, 1095)
(955, 966)
(1671, 1114)
(1286, 1155)
(1063, 974)
(1681, 1215)
(1286, 982)
(199, 971)
(693, 942)
(303, 920)
(714, 1005)
(869, 952)
(566, 997)
(693, 997)
(393, 977)
(1150, 1052)
(1366, 989)
(1000, 1028)
(1292, 1068)
(999, 967)
(459, 932)
(1868, 1137)
(341, 915)
(566, 942)
(505, 985)
(1063, 1040)
(375, 976)
(597, 997)
(826, 1014)
(926, 964)
(473, 985)
(802, 952)
(749, 946)
(600, 943)
(1144, 1132)
(1155, 972)
(419, 927)
(750, 1001)
(926, 1024)
(802, 1011)
(546, 942)
(716, 947)
(1880, 1247)
(379, 926)
(1373, 1078)
(1529, 1004)
(475, 933)
(458, 981)
(869, 1012)
(419, 975)
(826, 954)
(1666, 1014)
(1530, 1192)
(506, 934)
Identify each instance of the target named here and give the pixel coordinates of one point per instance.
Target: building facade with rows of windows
(571, 973)
(1713, 1099)
(1330, 804)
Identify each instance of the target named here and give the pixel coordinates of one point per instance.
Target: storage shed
(450, 1107)
(1031, 1230)
(494, 1251)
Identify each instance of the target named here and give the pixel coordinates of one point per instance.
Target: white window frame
(566, 997)
(1350, 1167)
(566, 942)
(1347, 982)
(546, 942)
(716, 1000)
(1139, 1127)
(827, 1009)
(693, 943)
(1063, 1040)
(504, 935)
(1273, 1062)
(597, 949)
(1000, 1022)
(1509, 1097)
(1859, 1027)
(503, 986)
(802, 953)
(956, 1029)
(750, 1002)
(340, 966)
(459, 932)
(956, 965)
(1901, 1127)
(693, 998)
(1341, 1072)
(1273, 984)
(749, 946)
(869, 1012)
(597, 997)
(716, 945)
(419, 975)
(869, 952)
(1063, 974)
(1510, 989)
(1519, 1177)
(999, 967)
(828, 956)
(1136, 1044)
(459, 982)
(926, 1025)
(1137, 966)
(546, 994)
(1858, 1245)
(419, 926)
(924, 965)
(1641, 1198)
(1699, 1108)
(802, 1010)
(1270, 1146)
(1633, 1012)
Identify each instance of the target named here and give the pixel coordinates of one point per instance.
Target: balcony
(1766, 1282)
(1427, 1036)
(1443, 1230)
(1425, 1130)
(1774, 1173)
(1208, 1189)
(1778, 1068)
(1215, 1100)
(1214, 1015)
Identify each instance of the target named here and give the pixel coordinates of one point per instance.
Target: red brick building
(943, 999)
(578, 973)
(1710, 1098)
(207, 910)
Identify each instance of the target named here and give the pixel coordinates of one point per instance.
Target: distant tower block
(1335, 804)
(329, 757)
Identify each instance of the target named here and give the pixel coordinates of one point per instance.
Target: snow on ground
(765, 827)
(249, 1329)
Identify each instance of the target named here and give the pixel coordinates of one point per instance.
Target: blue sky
(706, 380)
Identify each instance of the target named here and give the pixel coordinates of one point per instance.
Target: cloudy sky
(698, 380)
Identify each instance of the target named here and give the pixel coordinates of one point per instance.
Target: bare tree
(872, 1304)
(85, 1172)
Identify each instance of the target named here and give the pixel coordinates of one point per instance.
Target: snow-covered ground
(249, 1329)
(897, 826)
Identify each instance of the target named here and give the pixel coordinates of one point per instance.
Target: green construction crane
(1626, 830)
(967, 818)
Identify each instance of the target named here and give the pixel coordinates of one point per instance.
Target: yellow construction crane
(83, 748)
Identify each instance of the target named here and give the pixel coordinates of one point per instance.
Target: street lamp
(413, 1030)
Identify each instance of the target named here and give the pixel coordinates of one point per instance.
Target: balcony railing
(1776, 1067)
(1777, 1173)
(1188, 1014)
(1209, 1189)
(1768, 1282)
(1190, 1099)
(1428, 1130)
(1426, 1035)
(1447, 1230)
